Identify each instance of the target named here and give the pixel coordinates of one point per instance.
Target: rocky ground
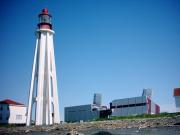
(78, 128)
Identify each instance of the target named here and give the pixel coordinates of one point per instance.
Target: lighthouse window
(49, 19)
(45, 18)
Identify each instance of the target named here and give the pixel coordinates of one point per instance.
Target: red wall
(157, 109)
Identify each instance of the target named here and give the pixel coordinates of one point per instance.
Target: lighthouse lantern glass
(45, 19)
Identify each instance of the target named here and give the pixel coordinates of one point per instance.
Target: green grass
(143, 116)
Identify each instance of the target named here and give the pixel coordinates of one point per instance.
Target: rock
(75, 128)
(27, 131)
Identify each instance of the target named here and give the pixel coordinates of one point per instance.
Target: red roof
(10, 102)
(45, 11)
(177, 92)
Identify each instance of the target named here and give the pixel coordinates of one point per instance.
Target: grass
(143, 116)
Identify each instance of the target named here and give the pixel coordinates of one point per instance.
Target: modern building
(97, 99)
(43, 93)
(12, 112)
(177, 98)
(81, 113)
(135, 105)
(147, 92)
(86, 112)
(119, 107)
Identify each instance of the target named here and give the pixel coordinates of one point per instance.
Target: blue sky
(113, 47)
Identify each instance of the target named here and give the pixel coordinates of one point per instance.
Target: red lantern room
(45, 20)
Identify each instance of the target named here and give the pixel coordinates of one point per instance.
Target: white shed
(12, 112)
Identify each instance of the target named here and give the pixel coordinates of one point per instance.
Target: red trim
(10, 102)
(45, 11)
(45, 26)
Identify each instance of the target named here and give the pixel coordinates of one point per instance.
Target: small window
(1, 108)
(0, 116)
(7, 117)
(18, 117)
(94, 109)
(7, 107)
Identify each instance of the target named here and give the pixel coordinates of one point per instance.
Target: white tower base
(43, 89)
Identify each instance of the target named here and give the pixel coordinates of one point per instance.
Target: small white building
(12, 112)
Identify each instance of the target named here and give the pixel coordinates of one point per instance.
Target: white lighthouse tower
(43, 94)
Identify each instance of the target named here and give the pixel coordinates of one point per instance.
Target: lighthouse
(43, 94)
